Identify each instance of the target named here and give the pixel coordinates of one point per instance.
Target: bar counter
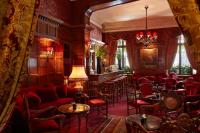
(100, 78)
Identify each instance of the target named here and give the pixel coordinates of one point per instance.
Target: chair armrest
(103, 96)
(85, 95)
(49, 111)
(60, 116)
(50, 108)
(190, 106)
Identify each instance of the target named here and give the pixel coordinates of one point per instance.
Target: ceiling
(134, 11)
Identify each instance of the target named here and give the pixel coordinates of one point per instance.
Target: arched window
(181, 63)
(121, 58)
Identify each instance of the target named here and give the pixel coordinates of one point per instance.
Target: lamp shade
(78, 74)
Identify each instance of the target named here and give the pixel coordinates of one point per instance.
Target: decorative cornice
(153, 23)
(50, 19)
(96, 24)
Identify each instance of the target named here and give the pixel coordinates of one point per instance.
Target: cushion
(96, 102)
(61, 90)
(47, 93)
(19, 100)
(196, 77)
(33, 99)
(141, 102)
(46, 125)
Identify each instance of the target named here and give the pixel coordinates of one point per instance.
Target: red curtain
(131, 51)
(171, 44)
(112, 51)
(190, 56)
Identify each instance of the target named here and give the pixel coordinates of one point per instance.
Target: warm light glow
(45, 41)
(194, 71)
(49, 51)
(78, 74)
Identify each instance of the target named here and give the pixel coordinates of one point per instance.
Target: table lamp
(78, 75)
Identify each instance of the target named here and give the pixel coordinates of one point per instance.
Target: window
(181, 63)
(121, 58)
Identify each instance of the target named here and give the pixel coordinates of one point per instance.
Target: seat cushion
(96, 102)
(47, 93)
(61, 91)
(44, 126)
(141, 102)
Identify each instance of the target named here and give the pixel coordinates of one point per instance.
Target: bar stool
(109, 89)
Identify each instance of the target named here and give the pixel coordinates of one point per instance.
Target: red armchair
(26, 120)
(170, 84)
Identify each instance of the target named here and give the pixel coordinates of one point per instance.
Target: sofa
(42, 104)
(40, 97)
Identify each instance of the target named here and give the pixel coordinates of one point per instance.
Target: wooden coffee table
(81, 109)
(152, 122)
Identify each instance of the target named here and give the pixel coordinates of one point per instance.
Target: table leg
(86, 118)
(79, 123)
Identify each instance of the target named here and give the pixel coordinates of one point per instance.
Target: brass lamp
(78, 74)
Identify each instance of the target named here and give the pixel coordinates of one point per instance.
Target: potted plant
(99, 52)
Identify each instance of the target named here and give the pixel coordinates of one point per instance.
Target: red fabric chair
(146, 89)
(96, 99)
(142, 80)
(26, 120)
(193, 108)
(133, 102)
(170, 84)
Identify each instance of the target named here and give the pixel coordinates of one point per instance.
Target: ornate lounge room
(100, 66)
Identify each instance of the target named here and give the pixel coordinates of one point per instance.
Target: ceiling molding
(96, 24)
(153, 23)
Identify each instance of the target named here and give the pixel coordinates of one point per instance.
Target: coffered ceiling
(131, 16)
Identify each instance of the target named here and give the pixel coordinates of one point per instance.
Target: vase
(98, 65)
(119, 64)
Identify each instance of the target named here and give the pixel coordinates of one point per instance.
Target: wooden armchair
(172, 104)
(96, 100)
(133, 101)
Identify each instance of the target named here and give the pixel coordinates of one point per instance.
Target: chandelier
(146, 38)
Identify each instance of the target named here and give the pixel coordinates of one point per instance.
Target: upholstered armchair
(172, 105)
(27, 120)
(193, 108)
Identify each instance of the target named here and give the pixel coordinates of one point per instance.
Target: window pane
(184, 58)
(185, 67)
(176, 60)
(121, 53)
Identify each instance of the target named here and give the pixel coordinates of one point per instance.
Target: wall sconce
(50, 51)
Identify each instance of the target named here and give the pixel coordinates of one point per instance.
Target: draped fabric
(191, 59)
(170, 51)
(17, 24)
(112, 51)
(188, 17)
(131, 52)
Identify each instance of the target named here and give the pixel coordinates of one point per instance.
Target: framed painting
(149, 57)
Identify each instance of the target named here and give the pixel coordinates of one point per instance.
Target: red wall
(42, 70)
(164, 35)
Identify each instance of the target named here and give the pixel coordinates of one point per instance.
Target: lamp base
(78, 86)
